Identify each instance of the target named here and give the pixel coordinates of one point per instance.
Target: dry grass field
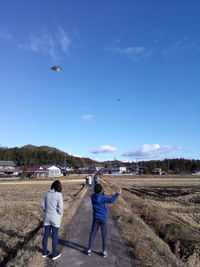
(21, 215)
(160, 218)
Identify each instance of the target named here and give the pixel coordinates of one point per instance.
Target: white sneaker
(104, 254)
(89, 252)
(56, 256)
(46, 255)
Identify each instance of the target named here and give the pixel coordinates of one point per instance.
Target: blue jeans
(47, 231)
(95, 226)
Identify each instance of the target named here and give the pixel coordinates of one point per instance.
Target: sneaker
(89, 252)
(104, 254)
(45, 255)
(56, 256)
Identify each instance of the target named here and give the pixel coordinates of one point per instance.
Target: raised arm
(112, 199)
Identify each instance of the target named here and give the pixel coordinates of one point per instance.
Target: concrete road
(75, 244)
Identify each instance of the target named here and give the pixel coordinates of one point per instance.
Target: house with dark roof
(65, 168)
(8, 167)
(104, 171)
(94, 168)
(37, 171)
(118, 169)
(7, 164)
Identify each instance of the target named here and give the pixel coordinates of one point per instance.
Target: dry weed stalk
(147, 247)
(21, 218)
(159, 215)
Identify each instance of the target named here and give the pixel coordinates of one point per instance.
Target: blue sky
(145, 53)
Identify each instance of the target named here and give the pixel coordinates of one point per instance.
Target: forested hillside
(36, 155)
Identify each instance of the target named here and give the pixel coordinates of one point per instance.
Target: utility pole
(168, 166)
(64, 172)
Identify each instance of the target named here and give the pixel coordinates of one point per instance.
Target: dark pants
(95, 226)
(47, 231)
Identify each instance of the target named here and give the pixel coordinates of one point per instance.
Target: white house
(119, 169)
(53, 170)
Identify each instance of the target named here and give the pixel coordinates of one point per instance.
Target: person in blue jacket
(100, 216)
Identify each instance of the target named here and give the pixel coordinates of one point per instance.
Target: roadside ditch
(183, 241)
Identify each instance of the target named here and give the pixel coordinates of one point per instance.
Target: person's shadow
(82, 249)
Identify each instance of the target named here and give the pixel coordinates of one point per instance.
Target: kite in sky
(56, 68)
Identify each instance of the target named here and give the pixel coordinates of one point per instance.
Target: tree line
(40, 155)
(33, 155)
(175, 166)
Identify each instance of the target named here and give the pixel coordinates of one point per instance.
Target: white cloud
(5, 35)
(43, 43)
(87, 117)
(104, 149)
(98, 159)
(184, 46)
(134, 52)
(159, 45)
(48, 43)
(150, 151)
(64, 40)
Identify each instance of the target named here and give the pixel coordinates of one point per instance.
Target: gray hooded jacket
(52, 206)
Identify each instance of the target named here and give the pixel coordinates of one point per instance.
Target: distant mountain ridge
(46, 148)
(30, 155)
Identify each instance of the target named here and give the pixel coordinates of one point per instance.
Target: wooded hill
(31, 155)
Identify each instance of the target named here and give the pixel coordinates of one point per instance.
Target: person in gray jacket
(52, 206)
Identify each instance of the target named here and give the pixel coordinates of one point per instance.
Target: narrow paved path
(75, 245)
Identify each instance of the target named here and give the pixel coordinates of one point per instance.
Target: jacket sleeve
(112, 199)
(60, 205)
(43, 203)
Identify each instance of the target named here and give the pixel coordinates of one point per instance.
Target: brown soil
(159, 219)
(172, 212)
(158, 193)
(21, 217)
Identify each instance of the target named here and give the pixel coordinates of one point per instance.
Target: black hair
(56, 185)
(98, 188)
